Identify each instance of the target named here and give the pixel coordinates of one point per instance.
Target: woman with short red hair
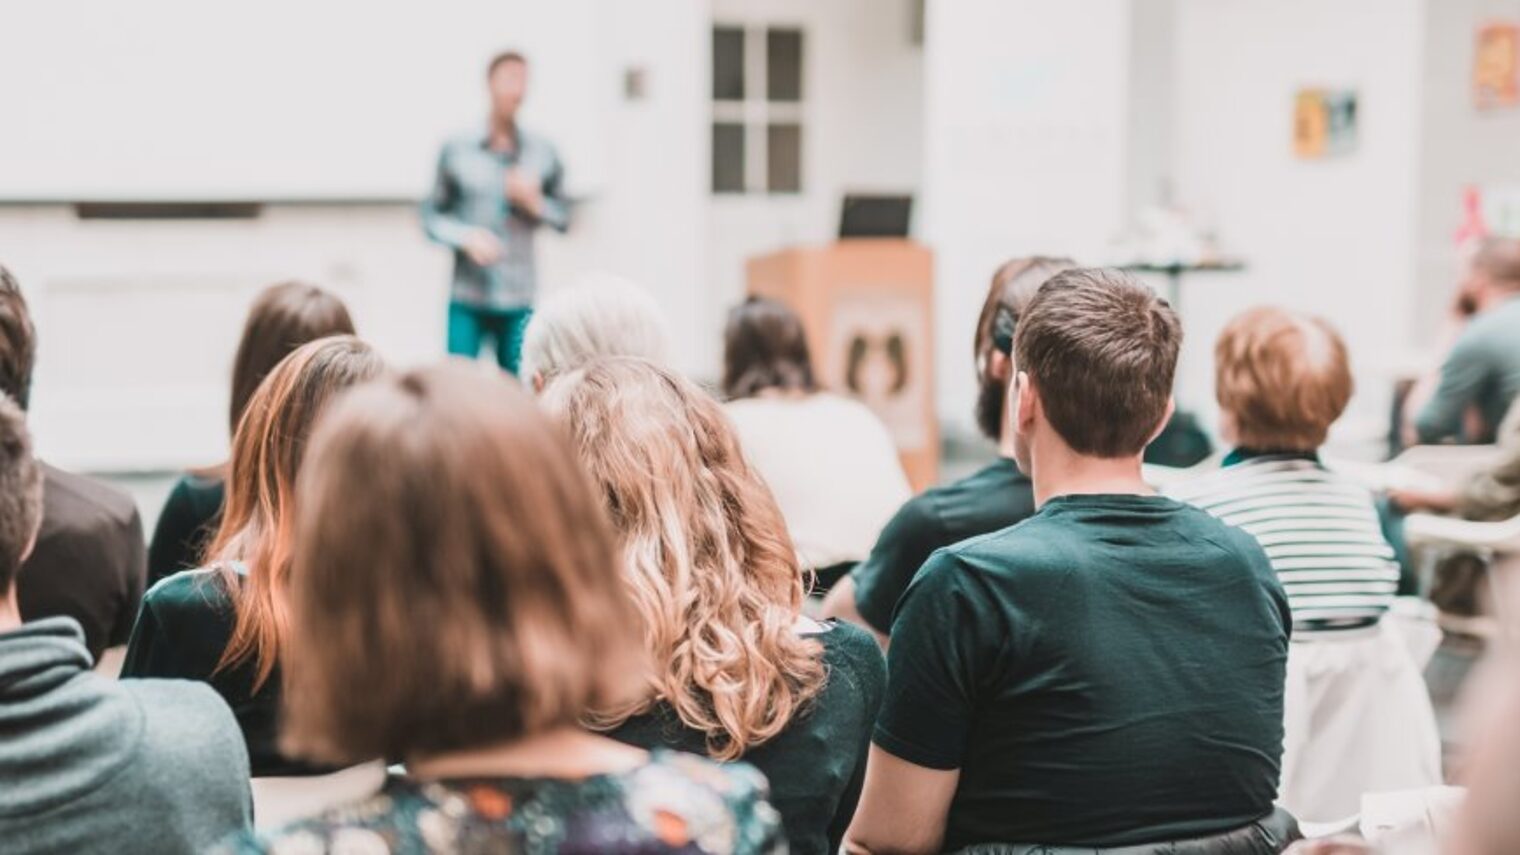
(1358, 718)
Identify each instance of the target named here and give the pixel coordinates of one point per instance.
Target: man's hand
(840, 603)
(1338, 845)
(525, 191)
(1411, 501)
(482, 247)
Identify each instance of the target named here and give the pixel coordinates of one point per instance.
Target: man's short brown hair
(20, 492)
(18, 341)
(1283, 378)
(503, 58)
(455, 582)
(1101, 351)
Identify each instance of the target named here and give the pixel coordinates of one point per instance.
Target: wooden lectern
(868, 306)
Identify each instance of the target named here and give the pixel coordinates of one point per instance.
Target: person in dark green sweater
(221, 624)
(1109, 672)
(739, 674)
(994, 497)
(282, 318)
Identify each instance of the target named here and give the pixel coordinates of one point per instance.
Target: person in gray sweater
(91, 764)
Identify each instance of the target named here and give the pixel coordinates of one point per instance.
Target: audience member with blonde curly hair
(715, 579)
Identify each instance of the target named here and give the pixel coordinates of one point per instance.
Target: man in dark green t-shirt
(1108, 672)
(994, 497)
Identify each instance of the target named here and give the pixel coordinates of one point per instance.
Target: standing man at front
(493, 189)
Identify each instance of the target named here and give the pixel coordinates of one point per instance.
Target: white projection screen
(304, 100)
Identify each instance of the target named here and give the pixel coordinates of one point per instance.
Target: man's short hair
(1284, 379)
(1500, 258)
(1014, 284)
(20, 492)
(1101, 350)
(18, 341)
(503, 58)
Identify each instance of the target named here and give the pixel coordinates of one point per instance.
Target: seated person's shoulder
(190, 593)
(851, 649)
(1035, 545)
(1235, 545)
(200, 492)
(189, 732)
(78, 503)
(844, 639)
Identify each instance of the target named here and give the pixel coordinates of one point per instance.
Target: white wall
(1025, 151)
(281, 99)
(1461, 146)
(862, 131)
(1336, 237)
(138, 320)
(1150, 108)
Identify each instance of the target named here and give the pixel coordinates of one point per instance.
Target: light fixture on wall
(635, 83)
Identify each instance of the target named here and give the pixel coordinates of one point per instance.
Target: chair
(1266, 836)
(1419, 466)
(279, 801)
(1499, 542)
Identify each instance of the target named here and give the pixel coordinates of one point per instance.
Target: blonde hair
(455, 582)
(708, 562)
(257, 520)
(603, 315)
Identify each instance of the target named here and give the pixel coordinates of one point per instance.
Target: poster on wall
(1324, 123)
(879, 350)
(1496, 66)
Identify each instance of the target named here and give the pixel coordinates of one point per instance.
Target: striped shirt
(1320, 531)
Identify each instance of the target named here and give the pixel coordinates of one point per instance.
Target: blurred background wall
(1020, 126)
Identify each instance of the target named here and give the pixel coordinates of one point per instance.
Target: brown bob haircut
(1283, 378)
(1101, 351)
(765, 347)
(283, 317)
(456, 583)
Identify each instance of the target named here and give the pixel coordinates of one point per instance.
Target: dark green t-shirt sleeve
(905, 544)
(934, 666)
(172, 638)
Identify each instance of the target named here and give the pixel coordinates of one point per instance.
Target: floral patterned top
(674, 803)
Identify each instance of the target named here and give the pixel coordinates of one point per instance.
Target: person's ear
(1026, 402)
(1166, 419)
(538, 382)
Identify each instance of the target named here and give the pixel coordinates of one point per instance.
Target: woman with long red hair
(224, 624)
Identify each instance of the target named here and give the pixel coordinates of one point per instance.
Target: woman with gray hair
(602, 315)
